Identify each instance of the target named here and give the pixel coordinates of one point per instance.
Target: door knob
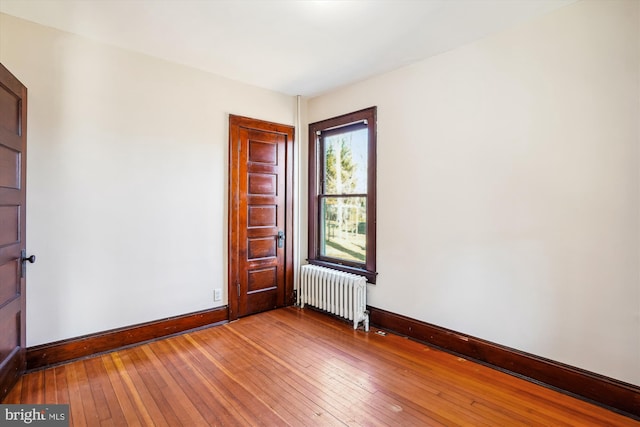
(23, 259)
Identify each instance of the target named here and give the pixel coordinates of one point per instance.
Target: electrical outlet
(217, 294)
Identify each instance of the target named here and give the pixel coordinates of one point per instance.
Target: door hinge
(238, 284)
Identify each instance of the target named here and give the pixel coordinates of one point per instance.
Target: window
(342, 193)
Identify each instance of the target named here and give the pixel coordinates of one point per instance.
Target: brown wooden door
(13, 144)
(260, 210)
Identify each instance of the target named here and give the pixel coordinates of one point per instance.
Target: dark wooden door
(13, 144)
(260, 216)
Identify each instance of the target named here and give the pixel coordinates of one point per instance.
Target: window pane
(343, 227)
(345, 163)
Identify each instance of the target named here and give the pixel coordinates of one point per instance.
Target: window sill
(370, 275)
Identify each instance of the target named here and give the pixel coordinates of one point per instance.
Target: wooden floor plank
(103, 393)
(211, 404)
(151, 387)
(35, 389)
(50, 395)
(62, 389)
(137, 407)
(76, 411)
(258, 408)
(221, 389)
(298, 368)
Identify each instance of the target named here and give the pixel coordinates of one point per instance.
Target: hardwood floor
(297, 367)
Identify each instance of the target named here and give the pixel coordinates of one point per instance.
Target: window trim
(314, 211)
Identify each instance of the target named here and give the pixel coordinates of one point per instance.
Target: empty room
(292, 212)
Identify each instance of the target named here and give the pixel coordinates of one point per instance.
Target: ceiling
(297, 47)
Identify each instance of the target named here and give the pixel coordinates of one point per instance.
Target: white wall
(127, 180)
(508, 187)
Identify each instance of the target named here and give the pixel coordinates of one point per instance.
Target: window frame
(368, 268)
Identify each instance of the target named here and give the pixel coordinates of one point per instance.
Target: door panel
(13, 139)
(260, 264)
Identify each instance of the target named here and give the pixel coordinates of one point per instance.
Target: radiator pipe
(298, 205)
